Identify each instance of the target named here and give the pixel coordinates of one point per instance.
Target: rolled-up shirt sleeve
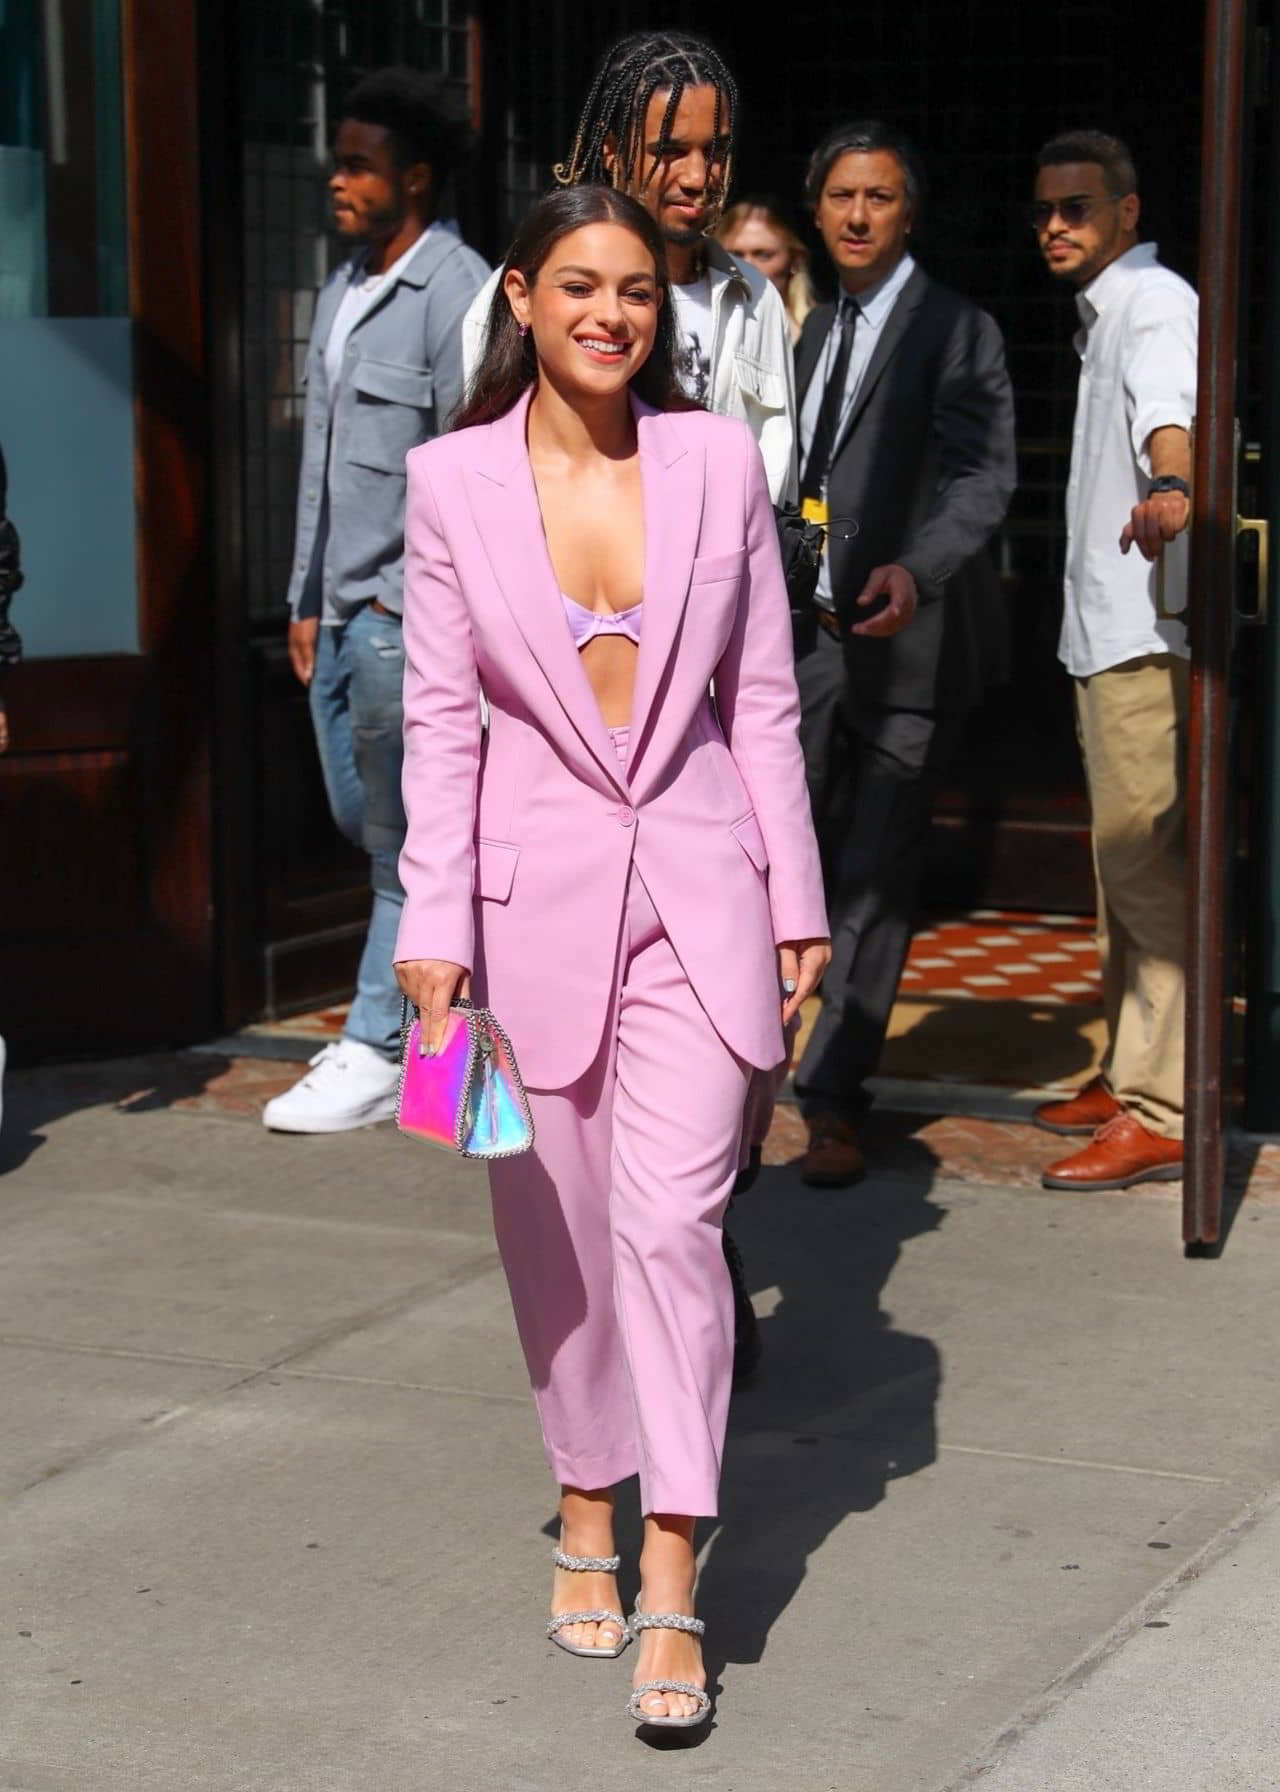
(1160, 370)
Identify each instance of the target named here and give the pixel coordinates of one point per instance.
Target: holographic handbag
(468, 1096)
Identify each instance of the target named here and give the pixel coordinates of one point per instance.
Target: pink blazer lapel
(674, 475)
(504, 503)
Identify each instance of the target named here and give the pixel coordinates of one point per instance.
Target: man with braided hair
(658, 123)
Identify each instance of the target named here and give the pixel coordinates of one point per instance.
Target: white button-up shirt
(874, 308)
(1137, 346)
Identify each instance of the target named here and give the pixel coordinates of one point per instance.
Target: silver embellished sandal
(668, 1621)
(588, 1565)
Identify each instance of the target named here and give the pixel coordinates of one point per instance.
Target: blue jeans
(356, 708)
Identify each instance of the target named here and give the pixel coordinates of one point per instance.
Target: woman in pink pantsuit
(623, 863)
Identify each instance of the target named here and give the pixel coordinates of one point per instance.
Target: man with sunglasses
(1125, 645)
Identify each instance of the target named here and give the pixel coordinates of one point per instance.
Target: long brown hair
(509, 363)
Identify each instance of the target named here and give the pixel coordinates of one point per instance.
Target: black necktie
(824, 435)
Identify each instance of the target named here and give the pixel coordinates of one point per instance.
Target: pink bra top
(585, 624)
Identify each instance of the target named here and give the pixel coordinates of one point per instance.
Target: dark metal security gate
(293, 897)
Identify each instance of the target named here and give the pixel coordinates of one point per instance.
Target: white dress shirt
(874, 308)
(1137, 345)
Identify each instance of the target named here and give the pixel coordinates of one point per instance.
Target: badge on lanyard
(817, 510)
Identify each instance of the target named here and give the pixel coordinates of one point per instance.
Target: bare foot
(666, 1585)
(670, 1655)
(586, 1529)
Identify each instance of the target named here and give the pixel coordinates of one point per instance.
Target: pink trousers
(609, 1232)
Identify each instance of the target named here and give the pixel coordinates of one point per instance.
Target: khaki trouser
(1132, 723)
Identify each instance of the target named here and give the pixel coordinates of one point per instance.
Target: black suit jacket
(926, 467)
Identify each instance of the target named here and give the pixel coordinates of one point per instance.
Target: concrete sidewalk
(1184, 1703)
(278, 1512)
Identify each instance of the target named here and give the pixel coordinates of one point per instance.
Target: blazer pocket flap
(495, 869)
(763, 384)
(747, 833)
(394, 382)
(708, 568)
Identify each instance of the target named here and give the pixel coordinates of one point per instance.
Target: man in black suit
(907, 454)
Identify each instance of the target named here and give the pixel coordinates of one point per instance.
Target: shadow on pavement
(844, 1402)
(1024, 1043)
(34, 1099)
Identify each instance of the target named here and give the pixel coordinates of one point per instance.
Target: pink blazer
(521, 837)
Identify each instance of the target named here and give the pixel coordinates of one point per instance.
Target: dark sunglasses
(1072, 211)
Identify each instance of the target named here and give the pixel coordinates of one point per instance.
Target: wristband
(1168, 482)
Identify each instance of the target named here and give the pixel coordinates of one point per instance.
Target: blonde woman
(755, 231)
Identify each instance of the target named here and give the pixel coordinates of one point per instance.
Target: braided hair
(629, 74)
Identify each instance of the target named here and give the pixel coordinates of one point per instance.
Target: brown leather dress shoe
(1084, 1112)
(1120, 1153)
(834, 1155)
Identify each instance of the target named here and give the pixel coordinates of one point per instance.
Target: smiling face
(756, 240)
(865, 216)
(371, 194)
(682, 187)
(592, 309)
(1080, 225)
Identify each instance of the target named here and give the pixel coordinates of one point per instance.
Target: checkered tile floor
(987, 955)
(319, 1023)
(987, 997)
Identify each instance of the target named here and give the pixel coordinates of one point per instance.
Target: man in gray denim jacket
(384, 373)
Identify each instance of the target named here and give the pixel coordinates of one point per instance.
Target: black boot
(747, 1345)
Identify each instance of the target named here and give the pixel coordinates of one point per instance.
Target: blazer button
(626, 817)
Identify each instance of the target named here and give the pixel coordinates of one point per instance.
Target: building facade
(162, 233)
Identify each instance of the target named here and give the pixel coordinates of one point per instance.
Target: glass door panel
(66, 364)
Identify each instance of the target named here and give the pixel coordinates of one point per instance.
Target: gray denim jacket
(401, 380)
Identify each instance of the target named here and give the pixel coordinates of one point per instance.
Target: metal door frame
(1212, 619)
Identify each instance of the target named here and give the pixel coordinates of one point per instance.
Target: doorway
(978, 85)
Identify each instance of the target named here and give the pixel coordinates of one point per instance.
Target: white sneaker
(348, 1085)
